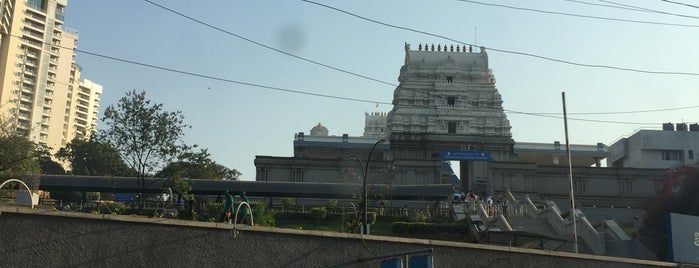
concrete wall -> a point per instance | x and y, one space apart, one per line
48 238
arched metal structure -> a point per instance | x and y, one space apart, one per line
235 219
29 191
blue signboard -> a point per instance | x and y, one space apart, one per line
683 238
464 154
126 198
420 262
392 263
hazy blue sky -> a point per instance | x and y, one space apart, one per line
236 122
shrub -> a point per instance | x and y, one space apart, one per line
318 214
261 215
214 210
111 208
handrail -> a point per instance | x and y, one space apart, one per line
29 191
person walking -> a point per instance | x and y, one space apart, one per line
245 210
228 207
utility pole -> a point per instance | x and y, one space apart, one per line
570 177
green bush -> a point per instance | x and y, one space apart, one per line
262 216
213 210
111 208
293 216
371 217
318 214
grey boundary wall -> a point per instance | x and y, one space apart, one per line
50 238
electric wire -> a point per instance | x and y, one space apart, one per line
631 8
680 3
548 115
580 15
587 120
614 5
229 80
503 50
361 100
267 46
626 112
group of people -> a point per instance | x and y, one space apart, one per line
229 208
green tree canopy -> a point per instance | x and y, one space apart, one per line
48 166
198 165
679 194
18 155
94 158
146 136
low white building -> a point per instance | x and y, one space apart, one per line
673 146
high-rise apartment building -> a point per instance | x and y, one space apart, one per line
40 87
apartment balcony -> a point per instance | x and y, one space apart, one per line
31 42
33 54
31 62
25 107
27 98
23 116
35 17
35 34
83 105
35 25
81 115
60 16
31 71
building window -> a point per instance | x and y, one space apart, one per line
673 155
297 175
450 79
580 186
452 127
451 101
690 154
263 174
37 4
625 186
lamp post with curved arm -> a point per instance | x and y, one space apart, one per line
365 228
365 172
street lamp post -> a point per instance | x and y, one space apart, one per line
365 226
365 171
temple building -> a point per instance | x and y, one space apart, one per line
447 109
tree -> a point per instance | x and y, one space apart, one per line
18 155
146 136
48 166
193 165
679 194
94 158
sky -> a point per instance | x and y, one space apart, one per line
236 121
